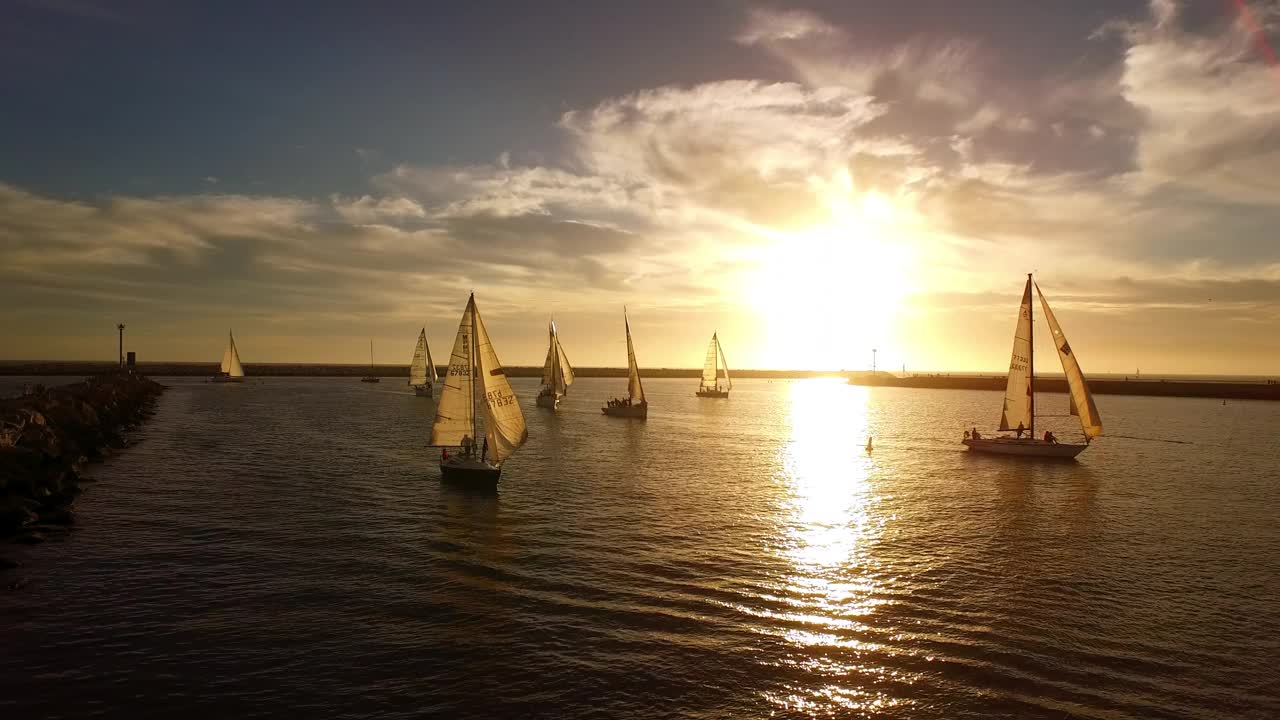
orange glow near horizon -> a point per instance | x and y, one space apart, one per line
829 293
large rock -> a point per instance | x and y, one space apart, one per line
47 436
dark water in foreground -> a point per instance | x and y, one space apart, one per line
283 548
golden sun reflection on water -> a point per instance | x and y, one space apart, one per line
831 521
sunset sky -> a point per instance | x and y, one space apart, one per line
812 179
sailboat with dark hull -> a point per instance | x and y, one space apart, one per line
557 373
422 369
1019 412
711 372
634 405
476 388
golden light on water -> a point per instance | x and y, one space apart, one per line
832 521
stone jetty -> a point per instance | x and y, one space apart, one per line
48 435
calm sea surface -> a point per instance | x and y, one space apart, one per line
284 548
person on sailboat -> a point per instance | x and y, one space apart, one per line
1019 430
484 450
976 435
1049 437
466 445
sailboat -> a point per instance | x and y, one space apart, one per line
476 385
372 377
635 406
230 370
422 370
710 385
1019 413
557 374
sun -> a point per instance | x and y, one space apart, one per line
829 293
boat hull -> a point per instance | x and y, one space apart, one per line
1024 448
637 412
470 473
370 379
422 390
713 393
550 402
226 379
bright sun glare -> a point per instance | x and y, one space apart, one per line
829 293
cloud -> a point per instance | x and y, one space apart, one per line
1210 103
367 210
766 25
1122 181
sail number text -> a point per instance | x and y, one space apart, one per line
497 399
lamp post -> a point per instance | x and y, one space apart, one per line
120 327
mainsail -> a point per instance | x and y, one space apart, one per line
231 359
557 374
1081 400
713 364
1017 394
474 384
418 368
634 388
504 422
455 410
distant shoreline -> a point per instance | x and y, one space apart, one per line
182 369
1225 389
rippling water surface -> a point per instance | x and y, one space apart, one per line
284 548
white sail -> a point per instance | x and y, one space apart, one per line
455 411
431 364
711 365
724 363
566 370
1081 400
557 375
634 388
231 359
504 422
1017 394
418 367
550 365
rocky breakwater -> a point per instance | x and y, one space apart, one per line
48 435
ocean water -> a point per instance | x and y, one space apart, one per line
284 548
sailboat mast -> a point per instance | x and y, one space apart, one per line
716 366
475 366
555 359
1031 356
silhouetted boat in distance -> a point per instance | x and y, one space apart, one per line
557 374
422 369
1019 412
230 370
634 406
475 384
710 385
371 377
